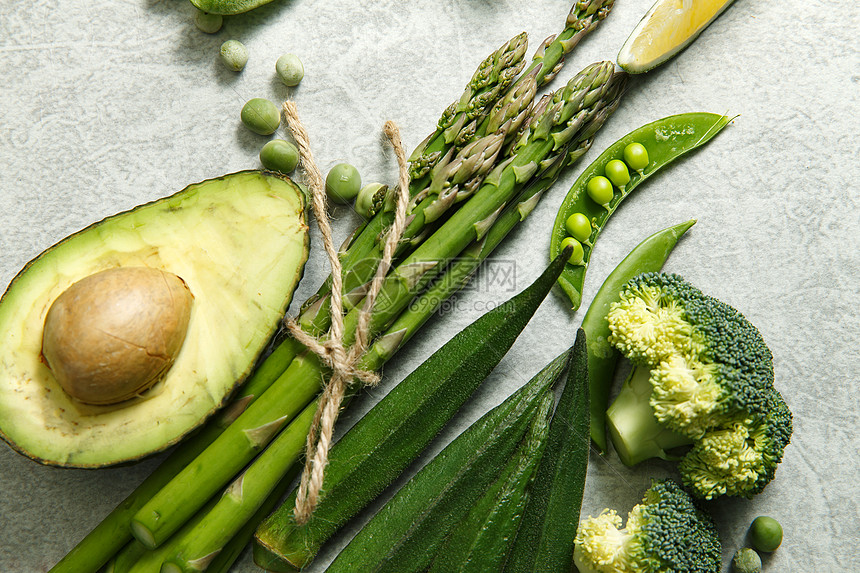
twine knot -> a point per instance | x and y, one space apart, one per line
332 350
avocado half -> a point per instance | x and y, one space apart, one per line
238 242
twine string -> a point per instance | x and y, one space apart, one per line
332 351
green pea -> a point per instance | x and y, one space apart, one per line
616 171
342 183
636 156
290 69
765 533
279 155
578 226
578 253
746 561
370 199
206 22
600 189
234 55
261 116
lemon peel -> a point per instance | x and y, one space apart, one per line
667 28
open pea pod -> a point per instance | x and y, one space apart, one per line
664 141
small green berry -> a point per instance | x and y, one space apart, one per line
636 156
234 55
616 171
342 183
279 155
579 227
765 533
746 561
206 22
578 254
290 69
599 189
261 116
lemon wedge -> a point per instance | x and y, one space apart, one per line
667 28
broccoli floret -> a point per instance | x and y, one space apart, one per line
665 533
741 456
703 376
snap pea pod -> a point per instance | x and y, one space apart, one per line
544 540
665 140
647 256
406 534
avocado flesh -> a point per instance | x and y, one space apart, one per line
239 242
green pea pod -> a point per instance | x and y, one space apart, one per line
665 140
544 541
227 7
392 434
406 534
647 256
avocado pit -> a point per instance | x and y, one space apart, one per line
113 334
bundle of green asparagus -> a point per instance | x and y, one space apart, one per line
492 156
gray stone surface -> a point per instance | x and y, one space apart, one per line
106 105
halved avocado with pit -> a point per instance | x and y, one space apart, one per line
238 243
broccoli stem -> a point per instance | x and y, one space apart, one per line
635 432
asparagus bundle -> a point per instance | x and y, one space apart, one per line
567 113
456 276
298 375
362 251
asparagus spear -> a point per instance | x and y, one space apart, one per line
459 273
452 181
508 113
583 18
135 558
490 80
234 548
209 472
